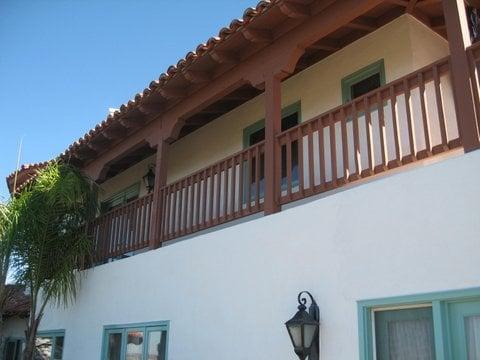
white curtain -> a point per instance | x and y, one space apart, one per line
411 340
472 330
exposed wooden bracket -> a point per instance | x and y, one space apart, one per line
325 44
294 10
132 122
427 3
257 35
172 93
365 24
223 57
97 147
438 23
149 108
197 77
85 153
114 134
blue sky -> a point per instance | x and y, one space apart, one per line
63 63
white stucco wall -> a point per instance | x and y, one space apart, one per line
227 293
14 327
405 44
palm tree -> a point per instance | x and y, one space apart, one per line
5 254
50 239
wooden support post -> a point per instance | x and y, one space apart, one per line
459 40
273 125
157 206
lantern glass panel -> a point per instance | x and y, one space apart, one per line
296 334
309 331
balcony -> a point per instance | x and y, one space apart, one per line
408 120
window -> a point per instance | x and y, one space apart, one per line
431 326
49 345
13 349
135 342
121 198
363 81
255 133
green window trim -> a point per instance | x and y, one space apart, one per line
145 326
260 124
362 74
53 334
439 302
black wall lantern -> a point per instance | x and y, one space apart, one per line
303 328
149 178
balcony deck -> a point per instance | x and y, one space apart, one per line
405 121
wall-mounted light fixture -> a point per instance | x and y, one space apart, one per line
149 178
303 328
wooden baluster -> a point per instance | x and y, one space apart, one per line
196 220
346 166
180 206
249 181
321 153
174 212
311 165
204 200
426 129
168 209
398 154
225 189
368 131
333 149
212 192
191 213
186 211
356 143
441 116
411 140
381 131
233 187
257 178
240 186
301 182
288 146
474 76
218 191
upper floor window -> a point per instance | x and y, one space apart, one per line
121 198
135 342
363 81
431 326
49 345
13 349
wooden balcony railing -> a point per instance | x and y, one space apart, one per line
122 230
410 119
227 190
407 120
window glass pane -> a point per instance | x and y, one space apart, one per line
10 351
58 349
472 331
405 334
43 348
366 85
114 346
134 345
157 344
257 137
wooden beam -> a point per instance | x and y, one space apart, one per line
196 77
366 24
96 146
325 44
257 35
157 200
403 3
294 10
425 3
